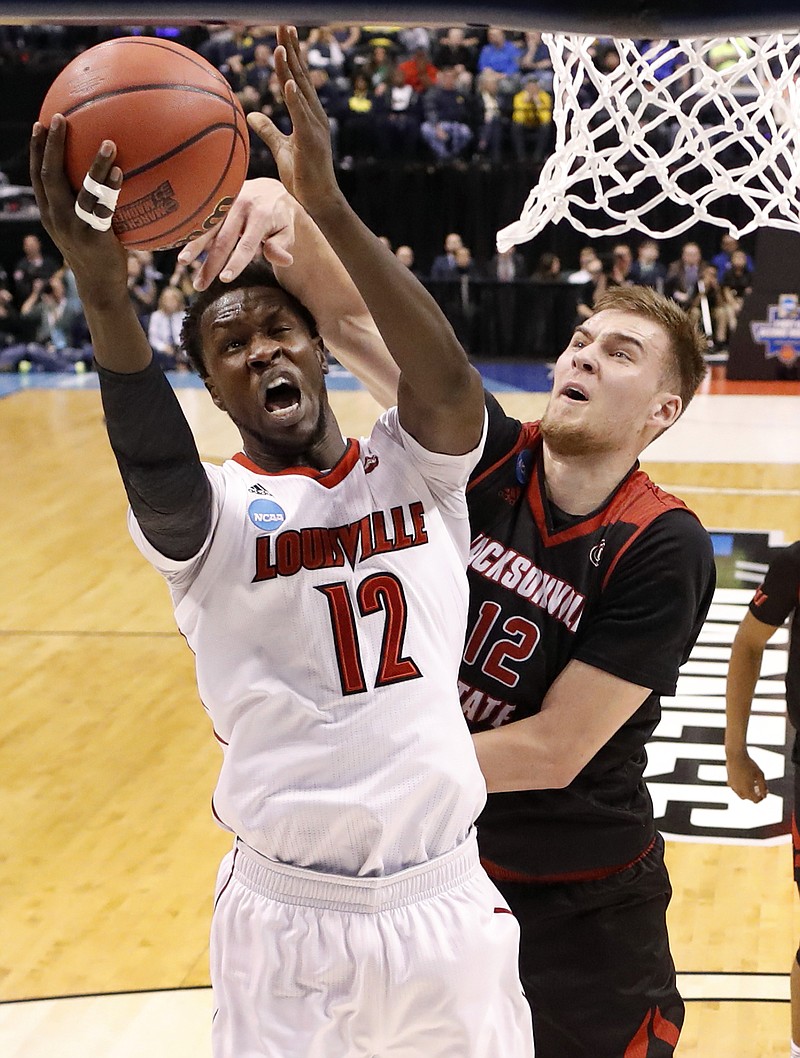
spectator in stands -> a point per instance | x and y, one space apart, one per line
333 102
31 266
647 270
548 269
582 276
413 37
738 276
405 255
444 266
619 271
419 71
258 72
50 314
535 59
325 52
455 49
727 246
710 308
357 136
502 55
233 70
349 39
591 291
10 324
164 330
380 67
397 118
274 105
182 277
447 128
492 119
683 274
507 266
458 298
141 288
225 42
531 121
737 282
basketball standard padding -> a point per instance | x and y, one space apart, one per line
181 135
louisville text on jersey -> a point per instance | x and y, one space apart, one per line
320 547
514 571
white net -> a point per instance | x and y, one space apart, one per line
674 133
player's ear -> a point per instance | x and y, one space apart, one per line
322 354
666 410
212 389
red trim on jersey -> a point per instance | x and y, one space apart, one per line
328 478
218 737
502 874
527 435
648 506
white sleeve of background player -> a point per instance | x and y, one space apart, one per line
178 572
445 475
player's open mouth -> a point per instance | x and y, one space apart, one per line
574 393
282 399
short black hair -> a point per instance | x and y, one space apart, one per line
258 273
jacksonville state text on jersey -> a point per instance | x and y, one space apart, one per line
625 589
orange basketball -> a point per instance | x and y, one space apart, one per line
180 132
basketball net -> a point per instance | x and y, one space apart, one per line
664 140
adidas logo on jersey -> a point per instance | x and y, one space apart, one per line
259 490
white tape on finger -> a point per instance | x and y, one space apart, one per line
106 196
98 223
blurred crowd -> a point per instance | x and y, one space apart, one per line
458 96
42 326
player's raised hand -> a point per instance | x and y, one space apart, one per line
96 257
261 219
304 158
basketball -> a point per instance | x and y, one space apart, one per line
181 135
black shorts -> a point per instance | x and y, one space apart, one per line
595 963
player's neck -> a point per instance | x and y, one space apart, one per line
322 454
579 484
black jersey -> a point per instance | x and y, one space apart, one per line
772 603
625 589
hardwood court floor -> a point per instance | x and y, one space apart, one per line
108 850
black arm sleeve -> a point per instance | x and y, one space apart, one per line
166 484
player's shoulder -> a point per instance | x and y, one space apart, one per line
786 562
505 437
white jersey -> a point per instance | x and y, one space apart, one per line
327 612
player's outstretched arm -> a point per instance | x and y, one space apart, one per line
440 394
745 777
266 219
158 460
579 714
96 258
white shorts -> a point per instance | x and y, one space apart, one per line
421 964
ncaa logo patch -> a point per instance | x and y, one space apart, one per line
266 515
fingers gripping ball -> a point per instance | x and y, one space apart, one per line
181 135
